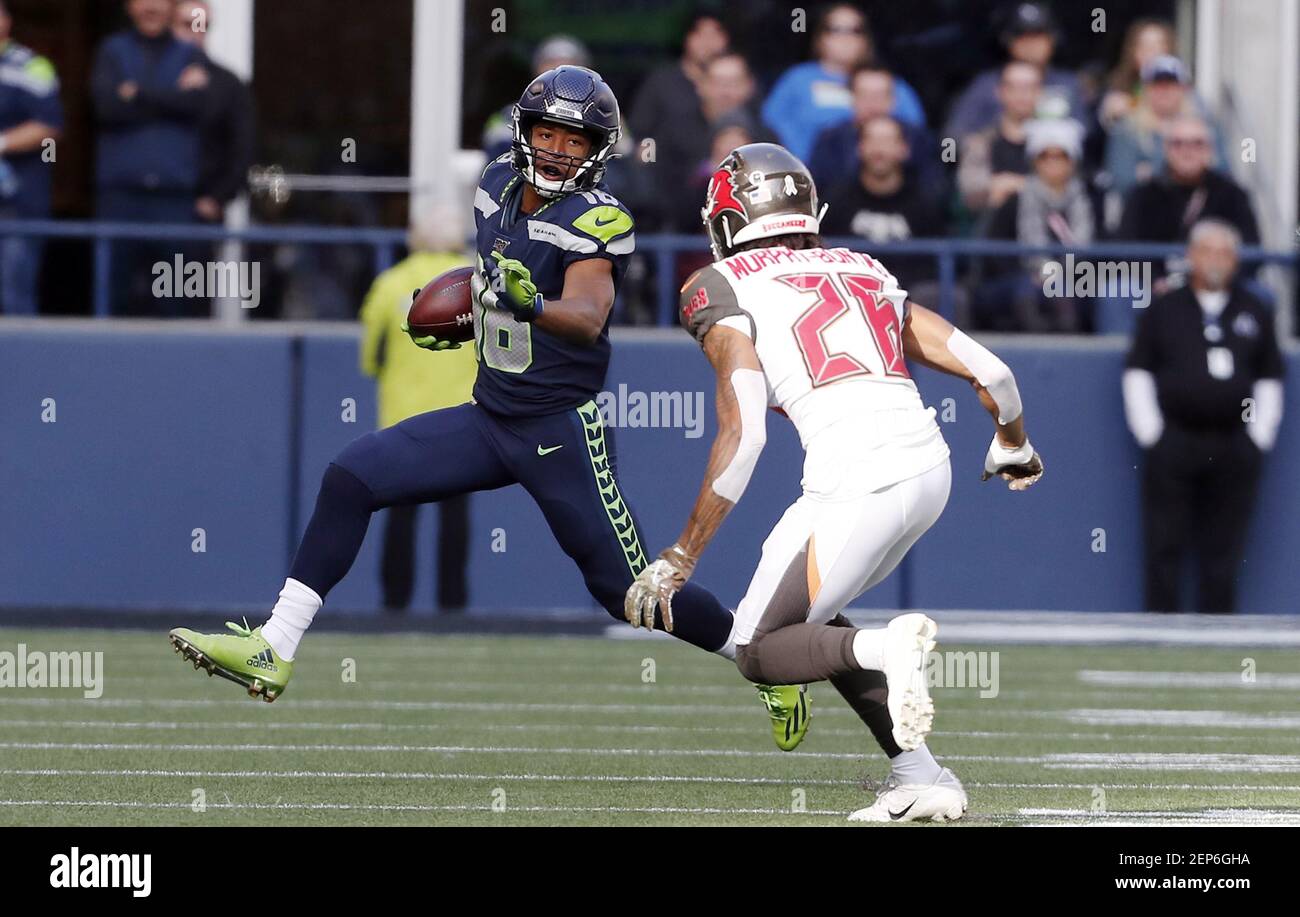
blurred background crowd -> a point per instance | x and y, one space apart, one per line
929 120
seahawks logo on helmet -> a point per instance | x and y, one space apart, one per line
575 97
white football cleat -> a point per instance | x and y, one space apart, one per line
943 800
908 639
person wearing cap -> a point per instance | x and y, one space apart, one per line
1052 207
1203 397
553 52
1135 148
1030 36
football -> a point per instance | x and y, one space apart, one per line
442 307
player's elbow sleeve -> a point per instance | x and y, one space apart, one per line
994 375
750 387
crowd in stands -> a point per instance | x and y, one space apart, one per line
1028 151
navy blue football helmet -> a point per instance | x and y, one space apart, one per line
574 97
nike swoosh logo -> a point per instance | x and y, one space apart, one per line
897 815
541 451
600 223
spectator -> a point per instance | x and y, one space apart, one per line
1029 38
553 52
731 130
883 204
1203 398
226 128
668 112
992 165
30 115
412 381
1164 208
834 157
1135 148
1145 40
726 101
814 95
150 93
670 93
1053 207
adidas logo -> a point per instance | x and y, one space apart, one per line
262 660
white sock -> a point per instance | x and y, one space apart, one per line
869 648
290 618
916 766
728 649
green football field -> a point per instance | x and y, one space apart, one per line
495 730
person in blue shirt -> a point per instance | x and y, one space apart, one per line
815 95
150 93
31 118
552 247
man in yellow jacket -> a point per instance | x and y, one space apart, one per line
412 382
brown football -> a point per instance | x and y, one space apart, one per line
442 308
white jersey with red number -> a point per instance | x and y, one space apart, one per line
827 326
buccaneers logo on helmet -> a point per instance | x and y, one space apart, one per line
722 195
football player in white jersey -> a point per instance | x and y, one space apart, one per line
823 335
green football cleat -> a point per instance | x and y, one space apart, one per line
787 705
244 658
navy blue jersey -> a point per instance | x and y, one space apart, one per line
522 369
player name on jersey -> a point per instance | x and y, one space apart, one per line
746 263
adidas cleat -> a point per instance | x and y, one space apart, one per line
943 800
909 639
244 658
787 705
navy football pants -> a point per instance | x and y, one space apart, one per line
566 463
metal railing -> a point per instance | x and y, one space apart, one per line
662 250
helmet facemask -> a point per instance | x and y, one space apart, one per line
587 171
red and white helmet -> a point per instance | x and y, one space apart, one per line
759 191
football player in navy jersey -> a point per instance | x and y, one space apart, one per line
552 245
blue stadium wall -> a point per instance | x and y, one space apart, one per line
160 431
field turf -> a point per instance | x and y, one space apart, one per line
493 730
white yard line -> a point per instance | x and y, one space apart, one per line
1240 763
374 807
1226 719
597 778
821 730
1129 679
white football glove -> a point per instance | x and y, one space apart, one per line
1019 467
655 587
480 292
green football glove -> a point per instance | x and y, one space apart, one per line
430 342
514 284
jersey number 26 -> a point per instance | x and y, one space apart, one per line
834 293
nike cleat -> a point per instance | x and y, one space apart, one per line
909 639
787 705
943 800
244 658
